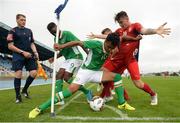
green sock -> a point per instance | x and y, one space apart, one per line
59 85
65 93
58 88
119 89
83 89
47 104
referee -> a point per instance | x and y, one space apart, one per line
21 43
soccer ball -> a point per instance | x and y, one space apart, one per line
97 103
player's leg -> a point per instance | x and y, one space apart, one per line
36 111
106 92
60 95
117 67
17 85
81 78
106 76
30 66
71 71
59 85
133 69
121 70
17 67
117 79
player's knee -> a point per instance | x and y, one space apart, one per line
18 74
138 83
74 87
59 75
33 73
67 77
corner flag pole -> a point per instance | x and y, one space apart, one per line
57 11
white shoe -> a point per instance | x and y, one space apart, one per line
154 99
60 103
107 99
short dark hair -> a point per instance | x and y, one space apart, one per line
114 38
20 15
51 25
105 30
120 15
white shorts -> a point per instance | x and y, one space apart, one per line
71 65
84 76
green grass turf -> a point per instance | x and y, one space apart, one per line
168 90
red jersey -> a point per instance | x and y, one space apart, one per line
127 49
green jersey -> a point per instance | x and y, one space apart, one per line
72 52
96 56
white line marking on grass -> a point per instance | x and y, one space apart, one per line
75 97
117 111
118 118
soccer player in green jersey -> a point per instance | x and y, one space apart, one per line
91 69
73 61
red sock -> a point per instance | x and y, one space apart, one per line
106 90
147 89
126 96
112 85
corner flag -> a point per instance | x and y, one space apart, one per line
58 12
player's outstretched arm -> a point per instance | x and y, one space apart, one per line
92 36
161 30
67 45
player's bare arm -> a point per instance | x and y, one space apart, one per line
92 36
33 47
161 30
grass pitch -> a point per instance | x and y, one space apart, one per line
76 108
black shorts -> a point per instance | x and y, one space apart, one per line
30 64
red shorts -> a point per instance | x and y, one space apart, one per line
120 66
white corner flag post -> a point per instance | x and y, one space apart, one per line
57 11
54 73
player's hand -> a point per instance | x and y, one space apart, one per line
113 53
161 30
27 54
139 37
91 36
57 47
124 36
36 55
51 60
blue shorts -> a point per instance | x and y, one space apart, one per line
30 64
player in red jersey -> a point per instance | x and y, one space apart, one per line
108 88
124 58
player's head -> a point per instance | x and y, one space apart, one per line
123 19
21 20
112 41
52 28
106 31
